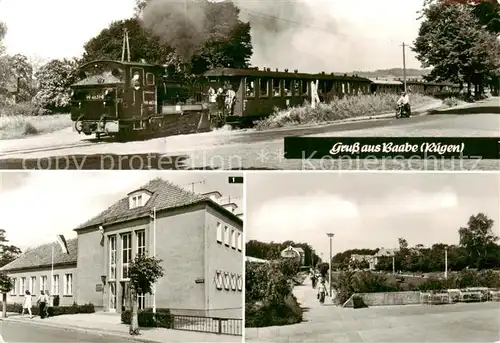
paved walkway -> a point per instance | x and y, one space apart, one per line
109 324
411 323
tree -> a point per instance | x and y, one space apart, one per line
454 42
144 272
5 287
107 45
23 71
8 252
5 69
479 240
54 81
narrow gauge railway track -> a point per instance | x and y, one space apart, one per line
48 148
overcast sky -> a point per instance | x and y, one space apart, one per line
367 210
315 35
36 206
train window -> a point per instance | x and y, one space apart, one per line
305 87
287 87
250 87
328 86
150 79
263 83
276 87
296 87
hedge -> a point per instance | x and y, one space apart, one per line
54 311
147 319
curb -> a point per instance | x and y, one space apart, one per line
85 330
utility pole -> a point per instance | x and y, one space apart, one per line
393 264
404 66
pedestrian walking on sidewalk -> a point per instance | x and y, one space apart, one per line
50 303
27 303
42 305
313 280
322 292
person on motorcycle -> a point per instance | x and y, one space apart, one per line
404 101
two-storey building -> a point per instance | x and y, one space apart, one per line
199 241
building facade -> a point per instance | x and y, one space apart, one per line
198 240
296 253
33 272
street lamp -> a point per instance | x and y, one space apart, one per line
330 235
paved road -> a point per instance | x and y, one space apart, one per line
12 332
258 150
410 323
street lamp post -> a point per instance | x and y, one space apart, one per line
330 235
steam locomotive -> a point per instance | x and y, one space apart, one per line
121 98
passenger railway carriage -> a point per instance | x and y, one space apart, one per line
258 92
116 98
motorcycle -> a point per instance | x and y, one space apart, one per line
402 112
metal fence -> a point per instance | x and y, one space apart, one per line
220 326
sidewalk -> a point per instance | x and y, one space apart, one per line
109 324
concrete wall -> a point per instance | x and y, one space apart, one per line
91 266
389 298
65 300
180 244
227 303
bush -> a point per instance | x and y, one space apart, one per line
338 108
358 302
349 283
147 319
54 311
275 315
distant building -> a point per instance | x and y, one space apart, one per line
373 260
199 241
297 253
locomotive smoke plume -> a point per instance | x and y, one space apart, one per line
309 35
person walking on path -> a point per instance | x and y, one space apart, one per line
313 280
27 303
50 303
322 292
42 305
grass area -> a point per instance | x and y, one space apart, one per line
338 109
19 126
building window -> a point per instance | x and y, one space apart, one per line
296 87
141 301
22 286
112 257
126 254
14 287
55 285
141 243
239 241
233 239
218 280
219 232
226 235
43 283
31 286
68 284
136 201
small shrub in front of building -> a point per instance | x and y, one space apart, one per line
147 319
54 311
358 302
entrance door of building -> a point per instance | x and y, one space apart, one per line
112 297
125 289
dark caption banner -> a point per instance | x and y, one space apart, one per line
392 147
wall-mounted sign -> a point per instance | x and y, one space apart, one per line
98 287
199 281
